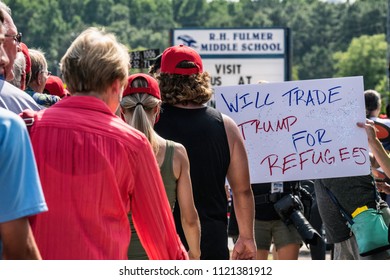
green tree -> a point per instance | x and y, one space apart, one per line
189 13
365 56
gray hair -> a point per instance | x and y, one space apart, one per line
19 68
5 8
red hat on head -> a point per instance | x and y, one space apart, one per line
24 49
55 86
172 56
152 89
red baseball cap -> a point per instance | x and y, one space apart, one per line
152 89
172 56
24 50
55 86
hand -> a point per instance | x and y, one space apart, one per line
193 256
244 249
383 187
370 129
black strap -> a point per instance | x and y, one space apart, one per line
341 209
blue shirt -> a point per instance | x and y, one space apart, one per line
20 188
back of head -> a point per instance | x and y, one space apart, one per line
182 79
372 100
140 104
38 63
173 56
54 86
94 61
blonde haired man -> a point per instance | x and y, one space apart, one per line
98 168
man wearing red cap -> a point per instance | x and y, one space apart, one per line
55 86
12 98
215 149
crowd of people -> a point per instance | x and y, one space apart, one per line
87 172
100 164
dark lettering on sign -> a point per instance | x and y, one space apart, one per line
223 47
216 81
213 36
261 47
242 101
297 96
244 80
142 59
259 126
309 157
310 139
228 68
248 36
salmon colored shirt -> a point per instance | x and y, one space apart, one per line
94 169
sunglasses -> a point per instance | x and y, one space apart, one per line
17 37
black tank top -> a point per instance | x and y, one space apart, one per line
202 132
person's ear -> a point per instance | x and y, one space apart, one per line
157 114
40 78
117 88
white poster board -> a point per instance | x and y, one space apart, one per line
301 129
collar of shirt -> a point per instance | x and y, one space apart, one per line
87 102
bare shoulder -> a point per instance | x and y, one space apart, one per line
180 152
180 160
231 128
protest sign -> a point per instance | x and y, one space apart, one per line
301 129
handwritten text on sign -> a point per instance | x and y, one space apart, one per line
300 130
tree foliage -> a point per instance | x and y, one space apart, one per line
365 56
319 29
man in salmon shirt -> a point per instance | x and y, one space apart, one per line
94 168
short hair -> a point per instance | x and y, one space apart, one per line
181 89
372 100
94 61
38 63
5 8
139 105
19 67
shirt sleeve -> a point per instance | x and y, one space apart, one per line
152 214
46 99
20 188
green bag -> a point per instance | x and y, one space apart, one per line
371 232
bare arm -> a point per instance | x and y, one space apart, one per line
238 177
189 215
380 154
18 240
151 211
